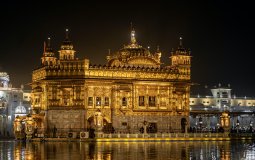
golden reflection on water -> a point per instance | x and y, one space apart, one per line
224 150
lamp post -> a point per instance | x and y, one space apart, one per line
196 127
145 127
251 126
218 127
237 126
200 123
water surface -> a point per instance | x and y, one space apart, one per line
174 150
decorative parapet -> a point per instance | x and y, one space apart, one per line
39 74
127 72
112 72
63 69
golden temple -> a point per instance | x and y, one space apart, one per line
132 90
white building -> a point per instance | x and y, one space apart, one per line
208 108
13 102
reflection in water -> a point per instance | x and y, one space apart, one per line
224 150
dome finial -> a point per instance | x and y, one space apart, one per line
133 39
158 50
180 41
48 45
67 33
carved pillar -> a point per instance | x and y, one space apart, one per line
158 98
146 98
136 97
45 122
85 119
168 102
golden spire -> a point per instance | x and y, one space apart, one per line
180 41
67 44
48 45
67 33
133 39
44 47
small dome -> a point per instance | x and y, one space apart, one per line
20 110
134 55
67 44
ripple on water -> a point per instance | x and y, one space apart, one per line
128 150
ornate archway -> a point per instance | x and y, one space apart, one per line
100 124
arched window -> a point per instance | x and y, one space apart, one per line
152 101
141 100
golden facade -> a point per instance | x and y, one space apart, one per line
131 88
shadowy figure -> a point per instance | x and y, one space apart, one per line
91 133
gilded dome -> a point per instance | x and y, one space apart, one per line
134 55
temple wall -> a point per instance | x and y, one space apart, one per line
66 119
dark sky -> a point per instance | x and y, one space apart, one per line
220 35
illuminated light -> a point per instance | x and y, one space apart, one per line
180 38
67 30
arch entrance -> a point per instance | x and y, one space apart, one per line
100 123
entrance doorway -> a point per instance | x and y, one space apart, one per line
152 128
107 127
183 124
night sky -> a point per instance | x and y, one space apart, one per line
219 34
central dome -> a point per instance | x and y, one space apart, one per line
134 55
